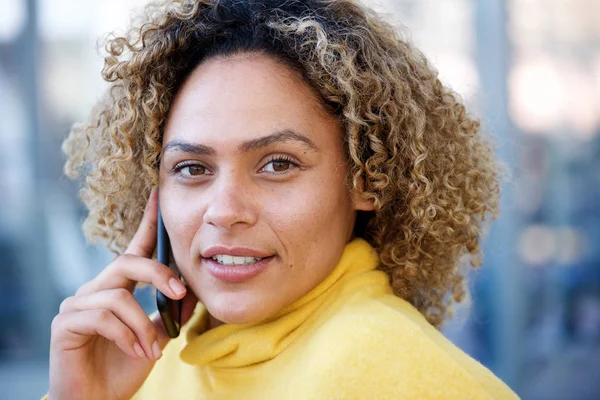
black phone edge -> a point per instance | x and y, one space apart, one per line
166 306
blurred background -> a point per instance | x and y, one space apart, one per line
529 68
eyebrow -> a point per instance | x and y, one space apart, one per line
283 136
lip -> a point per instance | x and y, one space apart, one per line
238 273
234 251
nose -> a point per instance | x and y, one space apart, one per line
230 204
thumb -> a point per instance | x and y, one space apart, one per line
188 304
144 241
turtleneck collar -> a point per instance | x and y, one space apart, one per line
237 345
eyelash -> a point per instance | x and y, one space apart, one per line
282 158
278 158
177 168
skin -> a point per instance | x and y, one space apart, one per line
103 345
300 211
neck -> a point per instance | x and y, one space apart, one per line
213 322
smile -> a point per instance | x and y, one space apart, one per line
225 259
235 269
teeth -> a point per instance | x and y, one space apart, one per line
231 260
242 260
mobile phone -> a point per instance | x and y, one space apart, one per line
169 310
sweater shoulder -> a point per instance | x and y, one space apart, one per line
385 339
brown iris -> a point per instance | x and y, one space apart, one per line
196 170
280 166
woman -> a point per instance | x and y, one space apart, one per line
319 186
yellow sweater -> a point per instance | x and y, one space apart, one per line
348 338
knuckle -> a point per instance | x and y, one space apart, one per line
162 272
121 264
148 331
103 315
57 324
123 334
127 257
121 260
82 289
65 305
120 295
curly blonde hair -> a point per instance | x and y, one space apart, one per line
412 147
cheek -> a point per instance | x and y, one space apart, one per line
308 214
301 205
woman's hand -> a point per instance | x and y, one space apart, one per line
103 345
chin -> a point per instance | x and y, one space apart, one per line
237 308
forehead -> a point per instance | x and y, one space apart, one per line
247 96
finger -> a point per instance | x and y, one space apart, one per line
129 269
188 304
144 241
125 307
67 330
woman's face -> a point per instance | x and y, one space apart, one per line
252 187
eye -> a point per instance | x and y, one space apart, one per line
279 165
188 170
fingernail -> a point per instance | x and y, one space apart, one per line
156 350
138 350
176 286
